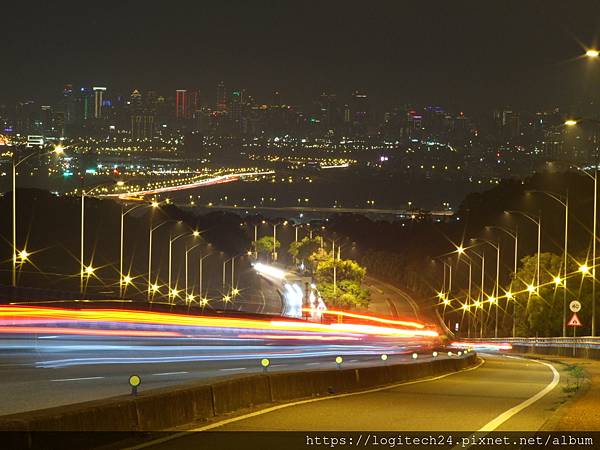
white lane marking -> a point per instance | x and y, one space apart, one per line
301 402
279 365
234 368
495 423
353 360
312 364
78 379
168 373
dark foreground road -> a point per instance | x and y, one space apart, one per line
45 371
503 394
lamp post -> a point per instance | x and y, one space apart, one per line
224 265
187 252
121 245
515 236
275 225
232 272
496 291
200 272
171 240
594 238
446 293
592 54
468 299
256 241
564 201
333 241
482 290
447 281
58 150
152 229
538 221
85 194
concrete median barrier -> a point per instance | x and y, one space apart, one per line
240 393
166 408
177 406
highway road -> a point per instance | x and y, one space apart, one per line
44 368
389 300
503 394
56 356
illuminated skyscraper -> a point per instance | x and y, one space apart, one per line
237 99
68 104
180 106
221 104
360 111
98 97
142 125
187 103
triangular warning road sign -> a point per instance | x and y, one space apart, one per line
574 322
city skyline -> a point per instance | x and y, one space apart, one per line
463 54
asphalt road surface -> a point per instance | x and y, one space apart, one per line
503 394
388 300
44 371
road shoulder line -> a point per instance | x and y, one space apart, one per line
506 415
297 403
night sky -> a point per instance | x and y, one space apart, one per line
457 53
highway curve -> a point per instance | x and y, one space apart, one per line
503 394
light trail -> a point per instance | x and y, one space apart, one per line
82 337
482 346
370 318
86 332
12 318
182 187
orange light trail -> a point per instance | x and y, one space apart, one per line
63 330
301 337
371 318
19 315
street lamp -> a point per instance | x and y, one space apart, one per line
85 194
57 150
515 236
121 276
497 288
564 201
232 259
538 221
275 225
200 273
152 288
468 299
594 235
187 251
482 290
171 240
333 241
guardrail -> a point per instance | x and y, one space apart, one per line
584 341
587 347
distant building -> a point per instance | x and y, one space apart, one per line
360 112
180 105
142 126
187 103
235 109
221 102
98 101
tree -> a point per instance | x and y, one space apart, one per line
347 292
265 245
541 313
305 248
